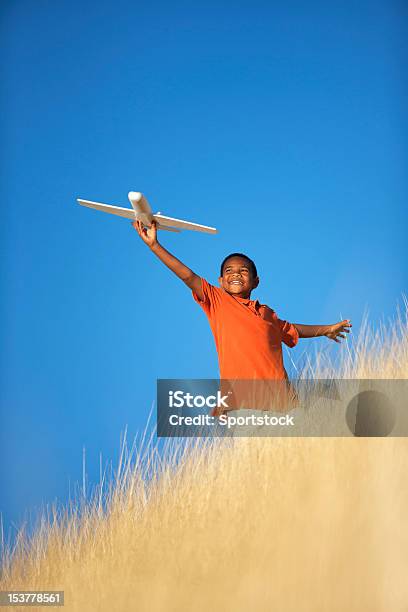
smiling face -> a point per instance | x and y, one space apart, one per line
237 277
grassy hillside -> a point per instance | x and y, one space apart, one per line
286 524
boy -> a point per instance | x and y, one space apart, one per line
248 335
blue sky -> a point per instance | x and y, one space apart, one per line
284 126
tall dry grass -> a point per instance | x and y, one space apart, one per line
285 524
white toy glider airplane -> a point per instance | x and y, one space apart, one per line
141 211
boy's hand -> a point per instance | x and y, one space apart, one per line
336 331
149 236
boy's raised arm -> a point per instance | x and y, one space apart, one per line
149 237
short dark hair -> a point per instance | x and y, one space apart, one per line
249 260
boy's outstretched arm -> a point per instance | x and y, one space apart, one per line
331 331
149 237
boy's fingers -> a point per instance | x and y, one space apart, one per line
134 223
140 228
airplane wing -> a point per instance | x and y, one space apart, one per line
168 229
179 223
128 213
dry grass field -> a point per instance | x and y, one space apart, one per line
286 524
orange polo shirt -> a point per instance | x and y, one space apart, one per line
248 335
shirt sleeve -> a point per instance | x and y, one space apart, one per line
289 333
211 297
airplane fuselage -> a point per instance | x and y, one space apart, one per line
141 207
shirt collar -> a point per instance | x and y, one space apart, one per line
247 301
